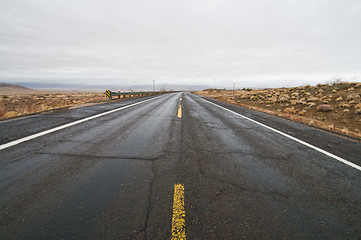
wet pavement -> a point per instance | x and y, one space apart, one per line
113 177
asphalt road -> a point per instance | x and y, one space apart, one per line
114 176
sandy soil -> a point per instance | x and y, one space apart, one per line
16 102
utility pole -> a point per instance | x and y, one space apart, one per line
234 87
153 85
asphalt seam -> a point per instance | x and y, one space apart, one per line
243 154
99 157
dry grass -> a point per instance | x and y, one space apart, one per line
333 107
15 103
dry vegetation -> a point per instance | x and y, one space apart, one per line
18 102
335 107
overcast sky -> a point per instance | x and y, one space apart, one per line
256 43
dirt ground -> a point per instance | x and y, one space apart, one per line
18 102
335 107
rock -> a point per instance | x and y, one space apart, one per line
334 91
274 99
312 99
44 107
324 108
357 106
295 102
344 105
283 99
346 110
350 89
10 114
311 104
339 99
358 111
289 110
352 97
302 112
254 98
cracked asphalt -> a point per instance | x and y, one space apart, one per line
113 177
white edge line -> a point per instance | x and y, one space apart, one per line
292 138
36 135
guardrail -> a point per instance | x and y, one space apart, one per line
109 94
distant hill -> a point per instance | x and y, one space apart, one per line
114 87
7 88
7 85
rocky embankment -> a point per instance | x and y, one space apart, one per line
335 107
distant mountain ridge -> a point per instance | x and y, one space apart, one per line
114 87
13 86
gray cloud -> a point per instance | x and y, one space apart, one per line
215 42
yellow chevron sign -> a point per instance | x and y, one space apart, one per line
108 94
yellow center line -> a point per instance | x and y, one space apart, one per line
179 111
178 220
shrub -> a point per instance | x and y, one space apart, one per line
324 108
247 89
289 110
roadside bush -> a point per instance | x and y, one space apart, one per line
324 108
247 89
